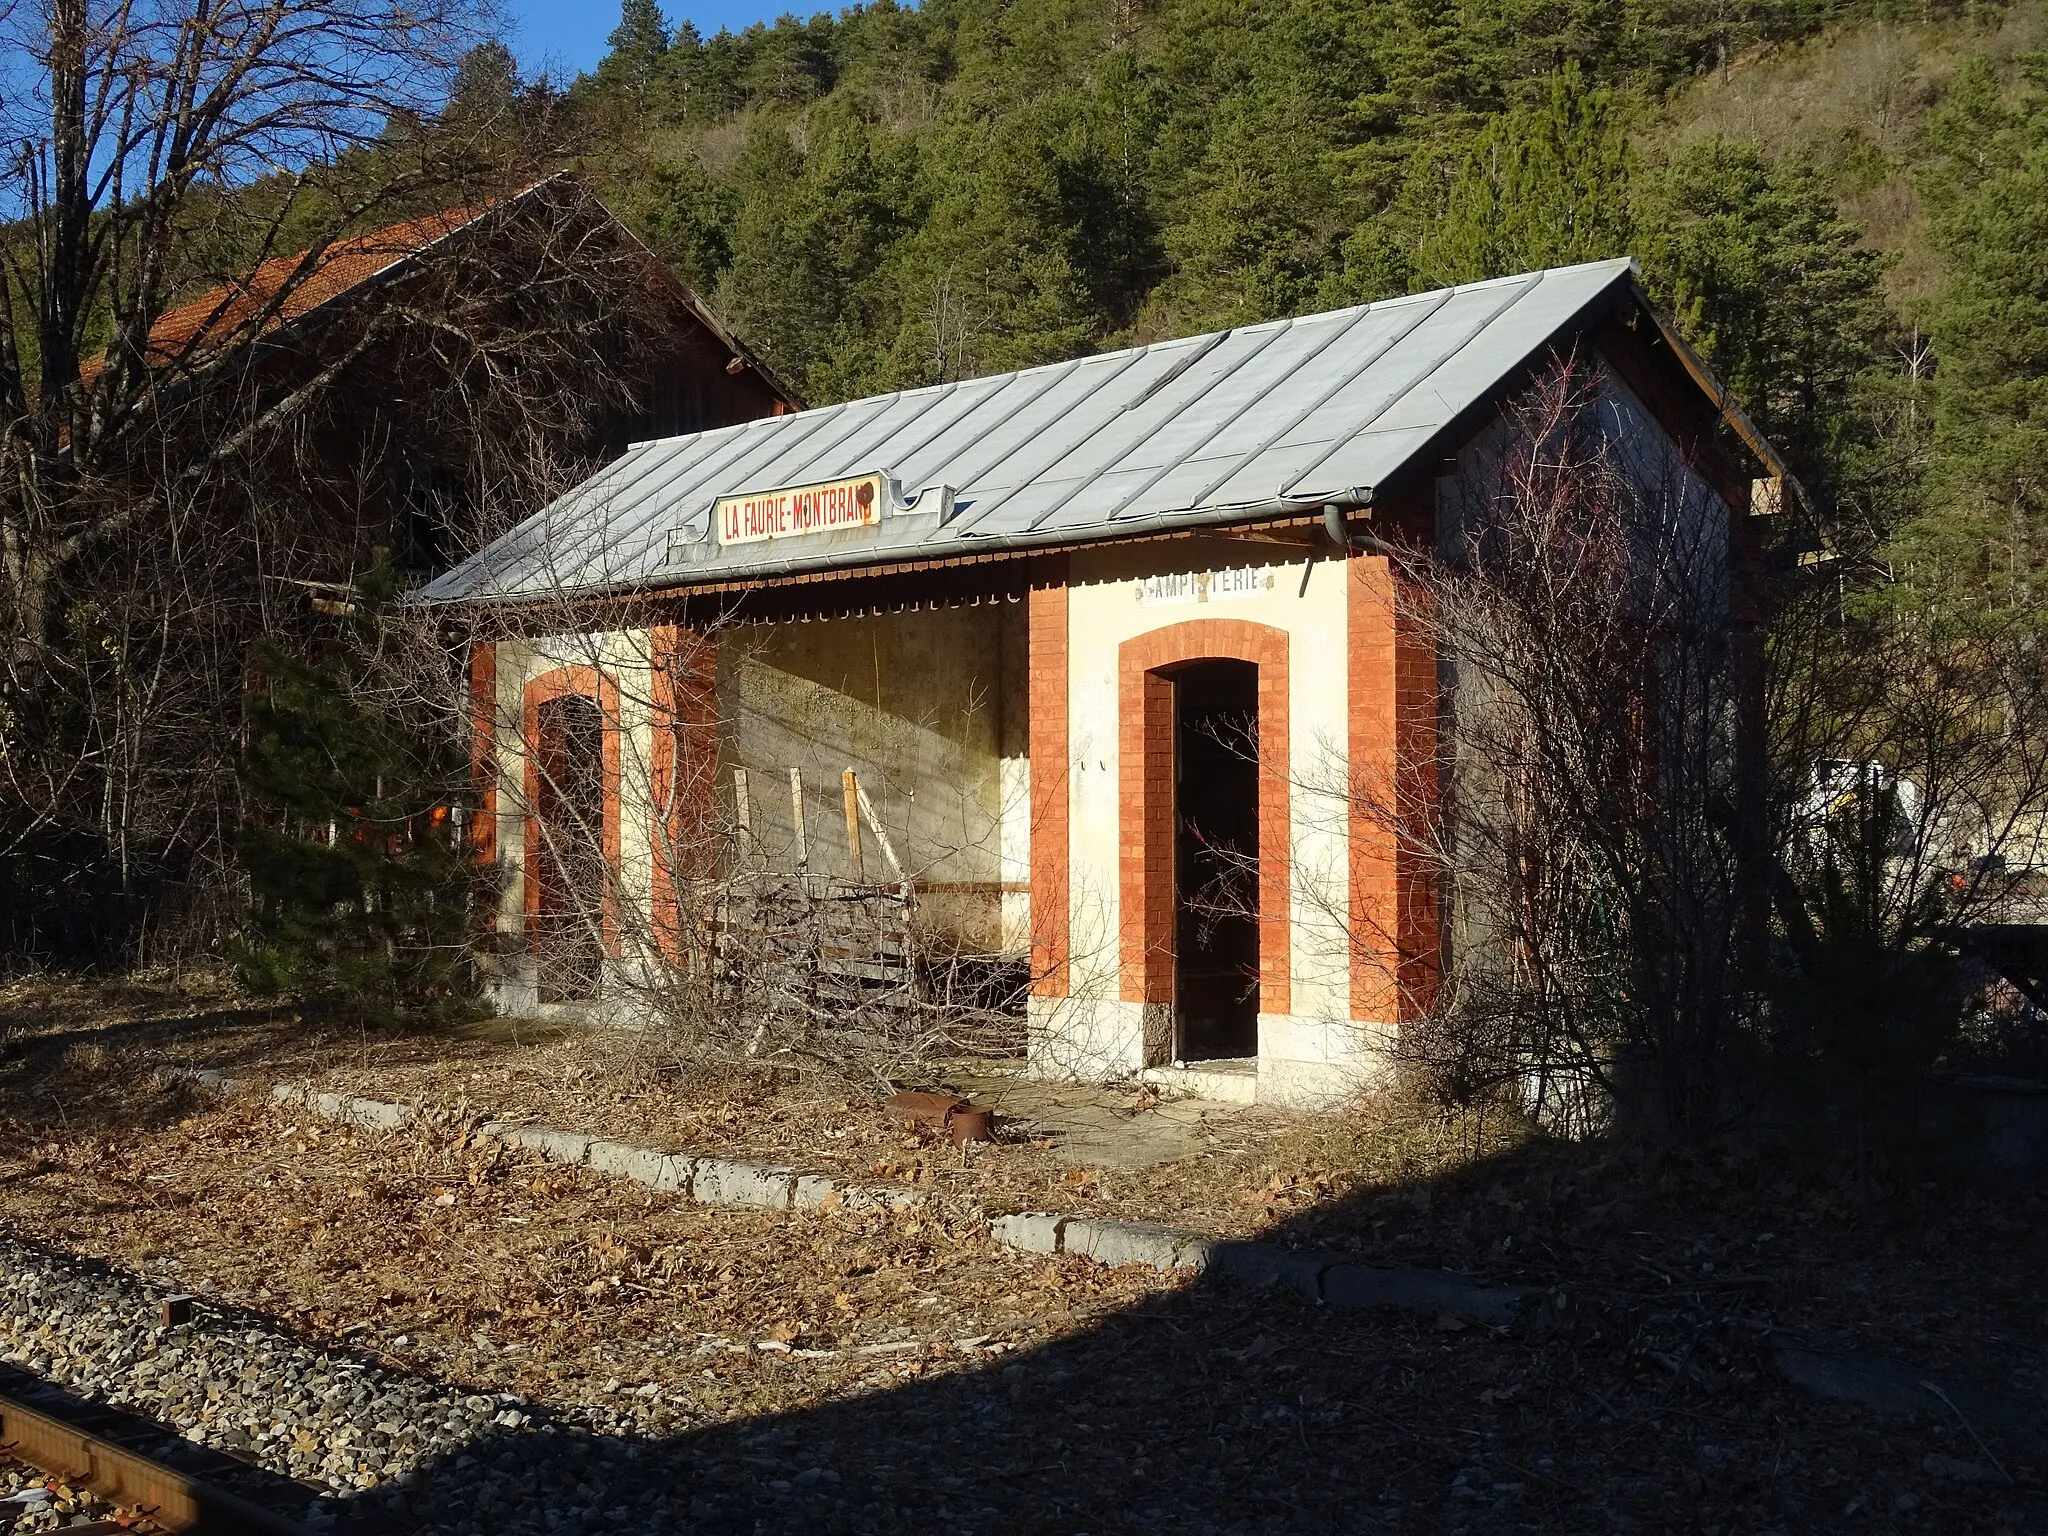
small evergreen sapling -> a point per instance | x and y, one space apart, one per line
360 881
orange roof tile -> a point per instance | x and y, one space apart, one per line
228 310
345 264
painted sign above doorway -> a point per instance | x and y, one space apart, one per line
1176 587
827 506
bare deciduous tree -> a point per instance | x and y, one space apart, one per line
178 480
1703 836
156 140
153 146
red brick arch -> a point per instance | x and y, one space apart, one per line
587 682
1145 804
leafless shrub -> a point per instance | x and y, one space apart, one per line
1910 757
1699 836
1584 834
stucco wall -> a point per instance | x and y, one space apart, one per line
1354 672
1118 595
926 708
622 657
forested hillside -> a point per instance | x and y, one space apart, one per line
1845 204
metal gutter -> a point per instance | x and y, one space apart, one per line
914 558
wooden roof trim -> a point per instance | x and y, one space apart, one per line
669 597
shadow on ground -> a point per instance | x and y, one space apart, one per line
1645 1405
1216 1409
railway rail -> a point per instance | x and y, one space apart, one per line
136 1463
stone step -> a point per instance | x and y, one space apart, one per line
1234 1080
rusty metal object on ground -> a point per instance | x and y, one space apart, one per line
971 1122
930 1109
170 1499
178 1310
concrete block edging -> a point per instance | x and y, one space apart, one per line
704 1180
1318 1278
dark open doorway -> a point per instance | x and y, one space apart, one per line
1216 860
570 862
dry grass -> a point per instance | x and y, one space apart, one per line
446 1254
1027 1394
1853 101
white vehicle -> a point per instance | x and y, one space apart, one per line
1839 783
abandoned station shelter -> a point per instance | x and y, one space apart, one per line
1084 661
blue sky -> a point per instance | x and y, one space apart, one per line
564 36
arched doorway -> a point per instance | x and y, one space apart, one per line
569 843
1204 811
1216 859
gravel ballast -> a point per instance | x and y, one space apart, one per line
31 1500
379 1441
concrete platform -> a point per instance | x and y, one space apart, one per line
1091 1126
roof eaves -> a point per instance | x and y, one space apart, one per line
694 302
885 561
1709 382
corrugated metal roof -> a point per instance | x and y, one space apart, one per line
1187 433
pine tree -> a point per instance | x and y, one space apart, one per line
684 65
359 881
1543 186
639 44
805 248
1988 201
988 281
1107 175
1247 247
687 215
486 83
1780 292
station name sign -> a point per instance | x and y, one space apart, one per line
826 507
1204 586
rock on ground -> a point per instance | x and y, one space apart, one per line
383 1443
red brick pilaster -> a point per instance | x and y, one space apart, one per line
483 748
1145 802
1051 757
1396 945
